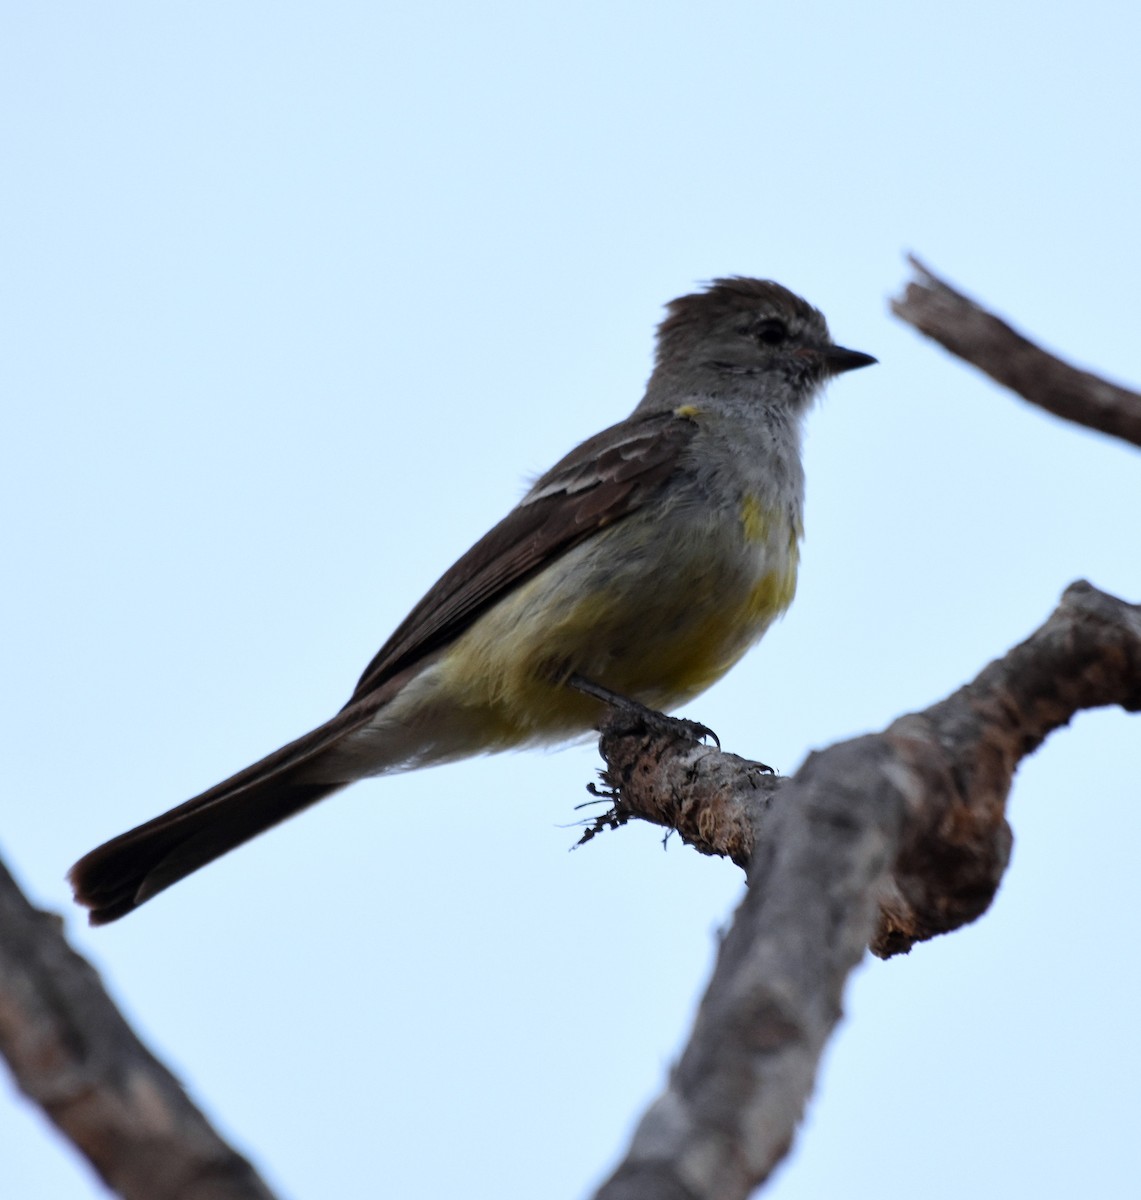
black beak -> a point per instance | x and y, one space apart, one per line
838 360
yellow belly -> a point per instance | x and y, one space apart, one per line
660 634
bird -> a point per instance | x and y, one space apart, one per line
640 567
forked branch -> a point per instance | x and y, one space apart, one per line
883 840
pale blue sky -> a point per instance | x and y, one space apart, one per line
295 298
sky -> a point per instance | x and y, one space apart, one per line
296 298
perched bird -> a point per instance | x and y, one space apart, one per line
642 565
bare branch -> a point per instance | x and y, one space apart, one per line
966 329
71 1051
659 772
885 839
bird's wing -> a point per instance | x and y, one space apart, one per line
606 478
602 481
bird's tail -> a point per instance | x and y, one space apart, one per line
115 878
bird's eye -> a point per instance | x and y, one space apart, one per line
772 332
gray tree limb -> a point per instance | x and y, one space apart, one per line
987 342
883 840
72 1053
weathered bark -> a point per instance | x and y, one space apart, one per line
883 841
987 342
72 1053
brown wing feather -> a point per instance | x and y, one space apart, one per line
601 481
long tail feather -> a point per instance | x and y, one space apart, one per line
115 878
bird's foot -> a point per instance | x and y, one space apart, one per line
648 719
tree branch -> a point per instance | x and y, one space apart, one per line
886 839
73 1054
982 339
